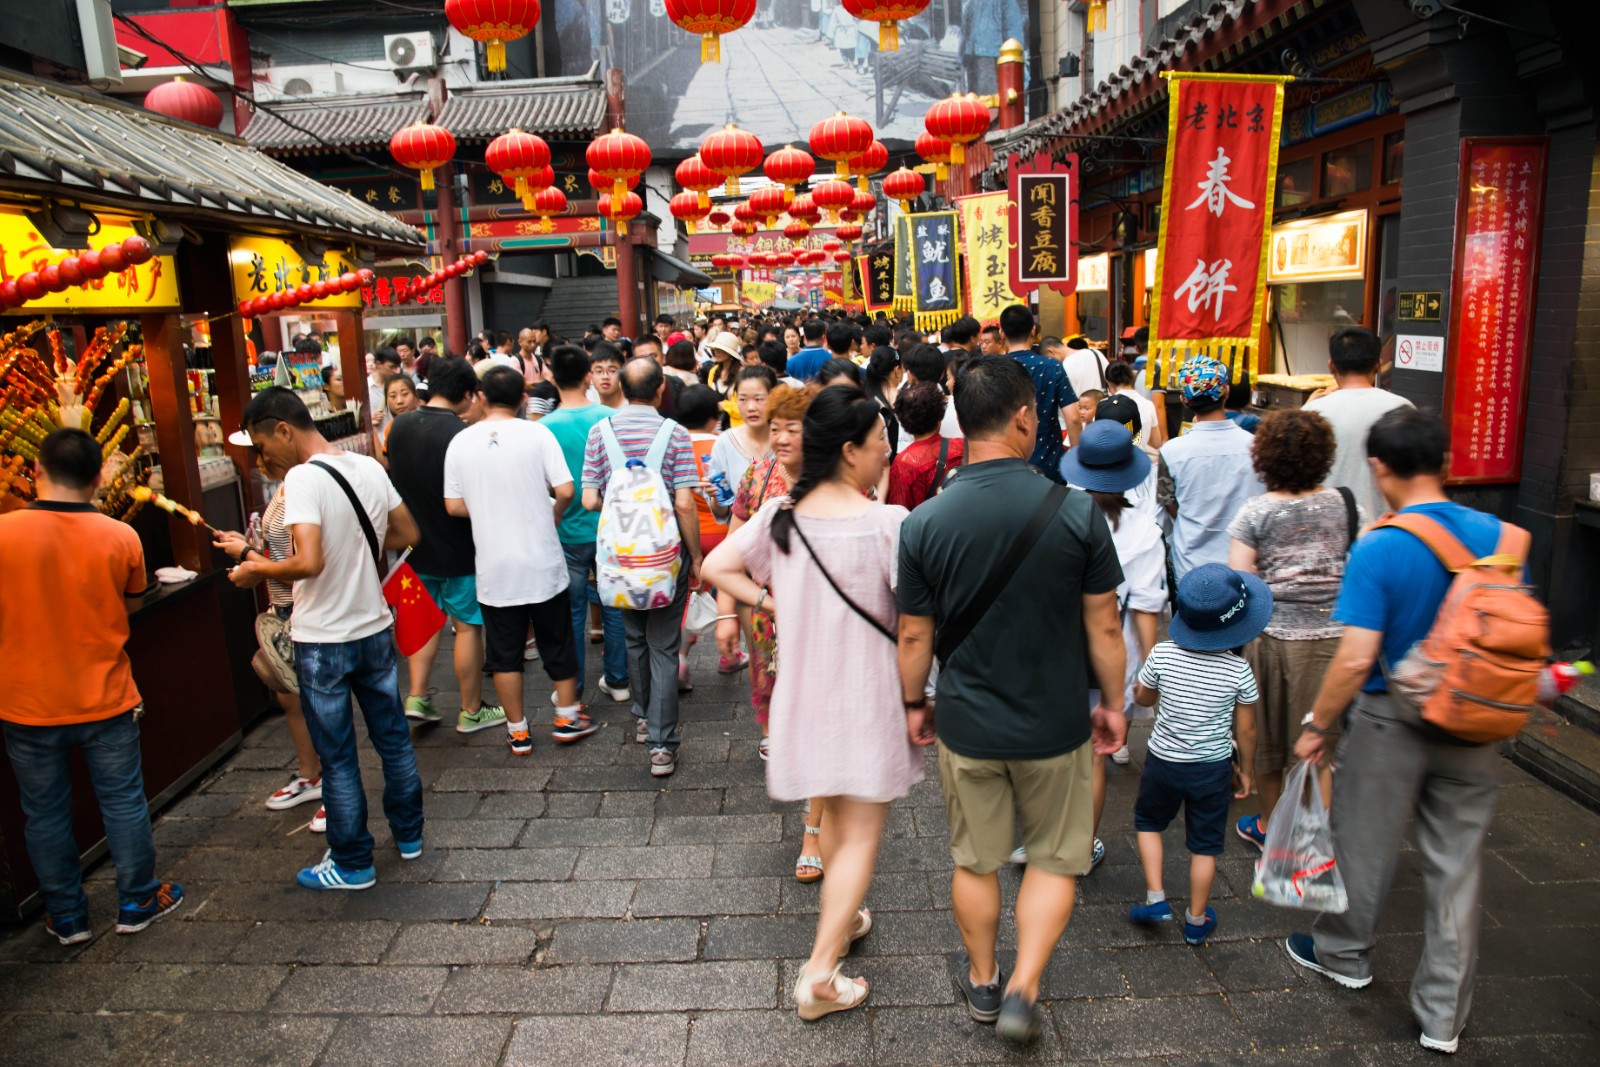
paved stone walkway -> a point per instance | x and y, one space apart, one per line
572 910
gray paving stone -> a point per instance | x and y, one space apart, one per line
650 862
894 891
522 779
264 901
560 900
915 854
419 903
462 943
554 833
1511 1006
627 805
681 802
172 834
712 986
473 833
716 829
230 1040
599 1041
779 1039
439 807
1241 966
68 1040
571 805
1164 970
453 1042
911 933
506 990
360 990
1075 971
516 806
248 782
769 860
508 865
1168 1026
198 987
636 940
78 986
1378 1013
720 896
948 1035
173 940
316 942
760 937
751 800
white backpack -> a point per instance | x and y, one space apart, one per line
637 557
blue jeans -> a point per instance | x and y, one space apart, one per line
111 749
580 561
329 675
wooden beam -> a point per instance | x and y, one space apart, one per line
180 460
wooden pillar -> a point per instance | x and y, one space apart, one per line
627 284
180 461
1008 82
449 228
353 365
208 289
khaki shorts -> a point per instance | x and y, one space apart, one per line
1288 676
1054 796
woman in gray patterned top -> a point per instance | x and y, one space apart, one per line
1296 536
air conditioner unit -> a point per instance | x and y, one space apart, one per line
409 51
305 81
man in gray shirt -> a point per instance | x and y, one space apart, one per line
1351 408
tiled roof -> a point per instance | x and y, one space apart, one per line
569 108
367 120
57 140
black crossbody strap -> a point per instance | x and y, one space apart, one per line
956 630
938 468
857 608
361 515
1352 522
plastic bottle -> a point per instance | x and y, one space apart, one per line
1558 678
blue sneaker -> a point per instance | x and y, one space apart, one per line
329 875
409 850
1302 949
1159 912
131 918
73 931
1196 933
1249 829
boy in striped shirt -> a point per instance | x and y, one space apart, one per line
1204 693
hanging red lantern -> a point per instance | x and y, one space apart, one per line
743 229
694 175
734 261
842 257
518 157
888 14
805 207
546 202
756 259
935 150
798 230
781 259
601 184
745 213
731 152
904 185
685 207
628 207
789 167
848 232
619 158
767 202
137 250
719 261
841 138
186 101
874 159
849 215
719 217
959 120
863 203
424 147
833 196
710 19
832 244
493 23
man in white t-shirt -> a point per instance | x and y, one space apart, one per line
509 476
1085 367
340 628
1352 408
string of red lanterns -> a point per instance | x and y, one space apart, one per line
840 139
958 120
730 152
75 270
620 158
789 167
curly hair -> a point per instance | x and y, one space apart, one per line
1293 451
787 402
919 407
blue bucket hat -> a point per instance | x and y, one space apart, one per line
1105 459
1219 608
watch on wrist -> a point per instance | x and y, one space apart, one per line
1310 723
917 704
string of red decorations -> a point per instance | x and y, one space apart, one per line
74 271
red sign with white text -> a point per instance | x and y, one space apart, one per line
1499 214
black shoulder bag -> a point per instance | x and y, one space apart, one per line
938 468
1351 519
857 608
956 630
361 515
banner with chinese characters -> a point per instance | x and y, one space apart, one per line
151 286
935 284
1043 224
877 278
1499 213
902 263
1216 219
265 265
988 258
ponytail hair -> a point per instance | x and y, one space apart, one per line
838 415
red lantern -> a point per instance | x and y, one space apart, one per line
186 101
547 202
842 257
518 158
731 152
888 14
863 203
694 175
832 244
719 261
958 119
602 185
874 159
366 275
349 282
423 147
71 273
805 207
848 232
493 22
935 150
710 19
628 206
904 185
797 230
743 229
685 206
833 196
767 202
319 290
734 261
137 250
745 213
620 158
849 215
789 167
91 266
781 259
719 218
841 138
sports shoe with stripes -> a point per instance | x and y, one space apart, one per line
567 730
329 875
131 918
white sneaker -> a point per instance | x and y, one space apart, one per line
1120 756
530 651
1433 1044
619 693
319 821
298 791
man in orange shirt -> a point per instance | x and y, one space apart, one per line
64 560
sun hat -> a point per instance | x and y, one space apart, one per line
1122 410
726 341
1202 378
1105 459
1219 608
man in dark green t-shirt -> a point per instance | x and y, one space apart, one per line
1014 727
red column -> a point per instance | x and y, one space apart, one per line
627 284
449 222
1008 80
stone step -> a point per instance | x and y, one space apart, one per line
1564 755
1581 706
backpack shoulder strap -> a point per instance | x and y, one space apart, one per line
608 438
659 445
939 467
1351 516
1455 556
1511 551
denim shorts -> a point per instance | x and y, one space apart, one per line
1203 790
457 597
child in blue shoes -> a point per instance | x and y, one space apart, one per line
1204 694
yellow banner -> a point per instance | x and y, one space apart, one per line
151 286
983 225
758 293
265 265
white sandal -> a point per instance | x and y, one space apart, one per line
813 862
852 992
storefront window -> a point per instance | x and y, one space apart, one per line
1394 157
1347 170
1294 182
1094 315
1305 315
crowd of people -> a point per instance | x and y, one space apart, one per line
971 543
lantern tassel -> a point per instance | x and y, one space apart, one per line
521 186
941 171
710 49
889 36
861 182
1097 16
545 225
495 58
788 194
705 199
619 189
841 167
427 180
691 227
958 152
731 184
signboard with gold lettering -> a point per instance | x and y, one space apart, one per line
1044 223
262 266
150 286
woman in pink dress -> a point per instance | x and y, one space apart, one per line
828 555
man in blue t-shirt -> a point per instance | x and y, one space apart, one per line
1050 386
1391 764
805 363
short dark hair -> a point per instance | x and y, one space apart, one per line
503 387
1141 337
774 355
1078 343
1409 442
813 330
1119 375
641 379
407 341
611 320
920 407
926 363
757 372
451 378
1293 450
838 368
696 406
308 346
384 355
989 391
665 320
427 342
277 404
876 335
1355 350
842 336
606 352
540 324
1016 323
647 341
964 329
569 365
680 355
71 458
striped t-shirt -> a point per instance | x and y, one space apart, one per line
280 546
1194 717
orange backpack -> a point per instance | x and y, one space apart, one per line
1476 675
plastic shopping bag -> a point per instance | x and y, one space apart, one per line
701 615
1297 868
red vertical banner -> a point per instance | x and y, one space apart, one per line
1042 224
1216 218
1499 214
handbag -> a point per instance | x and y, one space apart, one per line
701 614
273 662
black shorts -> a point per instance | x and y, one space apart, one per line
1203 790
505 632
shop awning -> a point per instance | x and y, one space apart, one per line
563 108
64 143
675 271
353 122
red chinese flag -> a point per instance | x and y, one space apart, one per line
416 617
